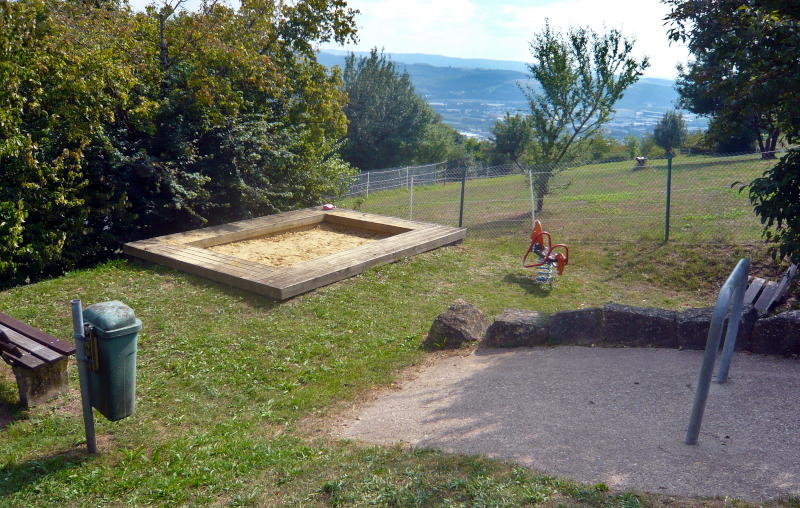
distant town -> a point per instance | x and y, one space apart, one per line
471 94
475 118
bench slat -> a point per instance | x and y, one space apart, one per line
29 361
765 300
753 290
36 335
34 348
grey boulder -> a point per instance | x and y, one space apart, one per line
460 323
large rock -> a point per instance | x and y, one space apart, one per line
582 327
625 325
693 326
458 324
778 334
515 327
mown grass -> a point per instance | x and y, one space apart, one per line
614 201
228 381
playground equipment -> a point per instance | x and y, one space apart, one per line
546 258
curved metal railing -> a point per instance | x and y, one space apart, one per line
734 288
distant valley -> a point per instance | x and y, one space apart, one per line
471 94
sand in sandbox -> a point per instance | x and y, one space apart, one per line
287 249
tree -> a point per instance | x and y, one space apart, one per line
761 42
670 133
776 199
705 87
441 143
744 71
631 143
579 76
388 120
648 147
512 136
115 125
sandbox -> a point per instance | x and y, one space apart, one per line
284 255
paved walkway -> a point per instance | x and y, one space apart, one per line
617 416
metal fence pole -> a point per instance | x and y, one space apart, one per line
367 183
669 192
411 203
533 198
461 209
83 375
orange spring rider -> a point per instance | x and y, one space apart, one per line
546 258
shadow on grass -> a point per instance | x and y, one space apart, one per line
528 284
18 477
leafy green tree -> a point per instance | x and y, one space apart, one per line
705 87
512 136
631 143
388 120
776 199
746 54
648 148
670 133
761 42
580 76
441 143
117 125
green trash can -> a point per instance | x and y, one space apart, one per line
111 333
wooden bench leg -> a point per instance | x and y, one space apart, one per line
40 385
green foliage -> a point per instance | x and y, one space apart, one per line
755 46
441 143
776 199
512 136
631 144
670 133
580 76
648 148
744 71
388 121
116 125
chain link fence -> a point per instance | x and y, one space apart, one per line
616 201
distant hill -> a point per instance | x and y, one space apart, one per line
439 77
442 61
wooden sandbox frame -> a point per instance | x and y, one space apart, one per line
188 252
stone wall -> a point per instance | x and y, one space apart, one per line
616 325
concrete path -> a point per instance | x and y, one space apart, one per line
617 416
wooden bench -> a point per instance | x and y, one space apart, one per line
39 360
762 294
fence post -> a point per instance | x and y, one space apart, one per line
367 183
411 204
533 198
669 191
461 209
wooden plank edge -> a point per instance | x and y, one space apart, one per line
227 264
34 348
36 335
362 265
214 275
391 244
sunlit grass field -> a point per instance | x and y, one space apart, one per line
236 393
602 202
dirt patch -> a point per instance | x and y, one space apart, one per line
287 249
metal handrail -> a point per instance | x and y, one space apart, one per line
734 288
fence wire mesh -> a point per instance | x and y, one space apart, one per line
617 201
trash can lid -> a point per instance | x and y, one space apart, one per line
111 319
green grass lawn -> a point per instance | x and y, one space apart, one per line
234 390
601 202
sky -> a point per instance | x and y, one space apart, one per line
502 30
